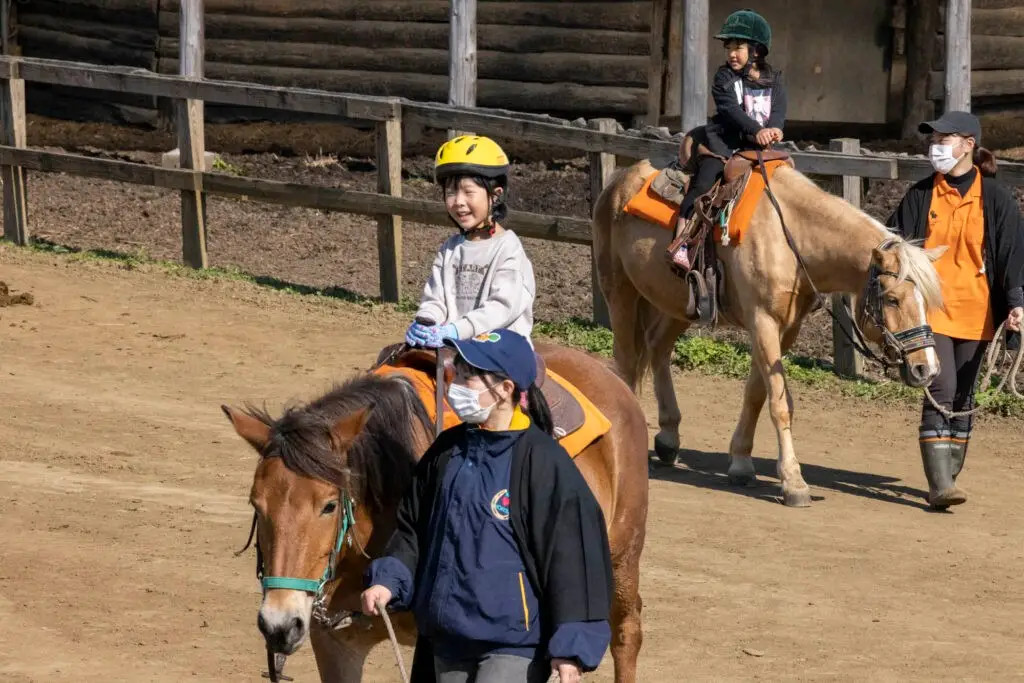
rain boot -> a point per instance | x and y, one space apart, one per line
938 463
958 452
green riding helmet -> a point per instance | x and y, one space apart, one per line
748 25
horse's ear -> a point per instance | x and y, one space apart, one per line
345 430
885 259
254 431
936 253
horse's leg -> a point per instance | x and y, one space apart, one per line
741 464
661 341
627 309
627 629
767 359
338 660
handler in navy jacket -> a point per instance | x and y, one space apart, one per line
501 549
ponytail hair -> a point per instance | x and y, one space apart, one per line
985 161
537 408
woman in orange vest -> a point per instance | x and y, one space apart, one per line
963 208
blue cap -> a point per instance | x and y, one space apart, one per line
501 351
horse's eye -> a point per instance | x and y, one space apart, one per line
891 301
330 508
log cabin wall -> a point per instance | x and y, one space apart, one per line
116 32
570 58
997 53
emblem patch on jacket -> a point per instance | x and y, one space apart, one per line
500 503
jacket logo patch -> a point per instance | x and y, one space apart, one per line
500 503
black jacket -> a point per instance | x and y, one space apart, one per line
556 520
731 128
1003 242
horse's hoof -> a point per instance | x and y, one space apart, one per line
666 453
743 480
798 498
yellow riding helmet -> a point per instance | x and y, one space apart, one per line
470 155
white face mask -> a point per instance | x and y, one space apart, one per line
942 158
466 404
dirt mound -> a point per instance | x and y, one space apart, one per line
8 299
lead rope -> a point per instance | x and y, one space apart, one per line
394 641
991 361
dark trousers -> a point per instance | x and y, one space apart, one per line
953 389
708 171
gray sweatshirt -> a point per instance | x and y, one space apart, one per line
481 286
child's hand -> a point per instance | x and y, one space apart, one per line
374 595
765 136
568 671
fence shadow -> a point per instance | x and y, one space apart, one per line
707 470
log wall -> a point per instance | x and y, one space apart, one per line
113 32
582 58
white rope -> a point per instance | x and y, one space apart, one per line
394 641
991 361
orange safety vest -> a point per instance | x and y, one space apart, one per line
959 224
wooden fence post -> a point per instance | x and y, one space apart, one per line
922 26
656 65
389 227
462 56
191 136
602 165
846 360
14 133
958 55
696 33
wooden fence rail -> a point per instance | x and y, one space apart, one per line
599 140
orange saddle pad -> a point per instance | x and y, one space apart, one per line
594 426
649 206
738 213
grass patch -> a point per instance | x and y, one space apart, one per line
133 260
692 353
224 166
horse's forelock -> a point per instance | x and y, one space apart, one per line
379 462
916 266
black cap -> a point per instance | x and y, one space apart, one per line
961 122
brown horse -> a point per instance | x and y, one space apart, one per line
768 293
328 483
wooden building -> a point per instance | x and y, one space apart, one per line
844 62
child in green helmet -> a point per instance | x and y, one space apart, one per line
750 107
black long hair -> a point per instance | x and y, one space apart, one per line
536 405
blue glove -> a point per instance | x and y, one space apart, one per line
431 337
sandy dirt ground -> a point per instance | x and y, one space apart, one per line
123 495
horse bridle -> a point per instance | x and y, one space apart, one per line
346 523
896 346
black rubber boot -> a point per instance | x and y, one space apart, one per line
958 454
937 460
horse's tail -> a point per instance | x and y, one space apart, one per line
629 311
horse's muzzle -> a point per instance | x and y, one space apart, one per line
283 635
917 375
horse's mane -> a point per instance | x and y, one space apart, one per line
914 262
379 464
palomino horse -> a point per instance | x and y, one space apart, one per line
331 475
767 292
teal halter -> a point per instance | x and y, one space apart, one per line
314 586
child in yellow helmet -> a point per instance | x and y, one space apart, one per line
481 279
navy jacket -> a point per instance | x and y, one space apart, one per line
500 547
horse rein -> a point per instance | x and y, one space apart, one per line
897 345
